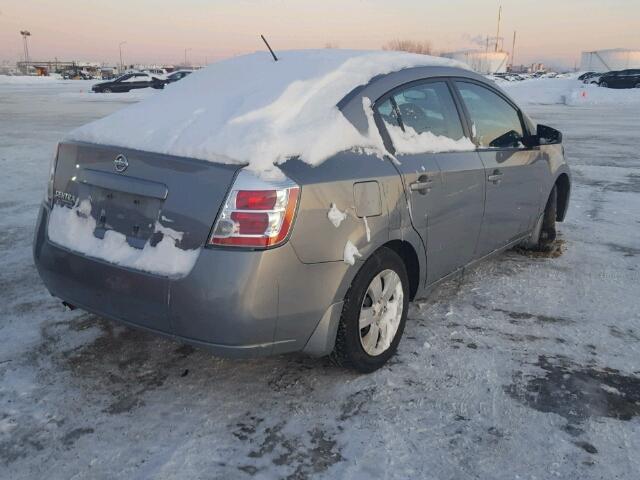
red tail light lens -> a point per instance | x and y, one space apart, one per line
257 213
256 199
251 223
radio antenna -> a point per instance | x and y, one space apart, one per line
275 59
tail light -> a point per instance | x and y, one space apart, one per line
257 213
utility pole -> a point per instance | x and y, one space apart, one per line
498 32
513 50
121 64
25 34
185 55
486 57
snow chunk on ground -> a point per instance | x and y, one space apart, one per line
335 216
250 109
73 228
350 253
409 141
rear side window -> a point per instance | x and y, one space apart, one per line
389 113
495 123
422 108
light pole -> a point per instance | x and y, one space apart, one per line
185 55
120 48
25 34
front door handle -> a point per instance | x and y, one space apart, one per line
422 185
495 177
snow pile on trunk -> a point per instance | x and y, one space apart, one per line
409 141
250 109
73 228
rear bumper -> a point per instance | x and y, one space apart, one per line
234 303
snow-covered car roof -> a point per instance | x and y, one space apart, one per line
250 109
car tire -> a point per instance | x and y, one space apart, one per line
106 90
374 297
544 234
604 84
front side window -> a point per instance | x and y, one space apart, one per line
423 118
495 123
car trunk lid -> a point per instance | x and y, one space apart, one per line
142 196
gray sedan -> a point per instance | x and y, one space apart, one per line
324 259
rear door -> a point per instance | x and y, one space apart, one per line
121 84
512 170
136 80
442 173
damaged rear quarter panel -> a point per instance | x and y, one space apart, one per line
315 239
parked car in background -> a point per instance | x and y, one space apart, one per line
621 79
76 74
586 75
128 82
159 73
177 75
320 256
510 77
592 78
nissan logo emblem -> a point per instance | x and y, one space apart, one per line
120 163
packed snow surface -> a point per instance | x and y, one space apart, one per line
73 228
250 109
567 91
27 80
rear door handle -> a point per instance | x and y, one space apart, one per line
495 177
422 185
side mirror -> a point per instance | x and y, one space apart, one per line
548 136
508 140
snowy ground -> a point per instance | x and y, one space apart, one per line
528 369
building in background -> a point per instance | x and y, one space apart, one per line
8 68
608 60
484 62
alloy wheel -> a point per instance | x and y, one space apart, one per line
381 312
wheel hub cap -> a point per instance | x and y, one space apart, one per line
381 312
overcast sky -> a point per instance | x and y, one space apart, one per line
159 31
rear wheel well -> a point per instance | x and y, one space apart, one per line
408 254
563 187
